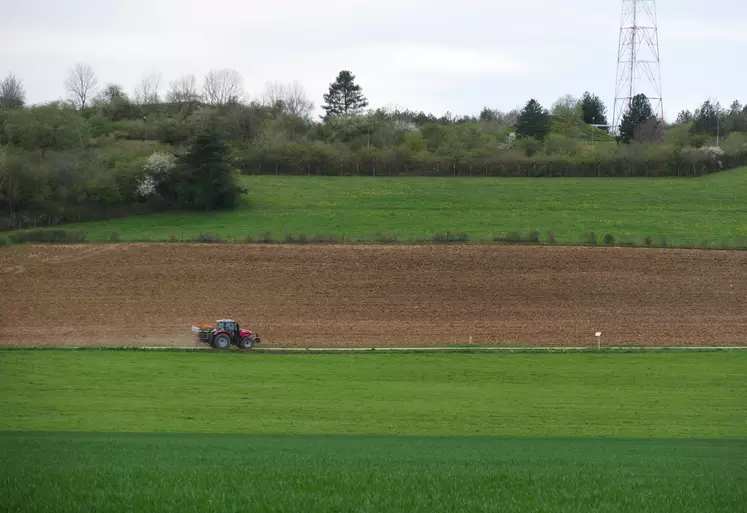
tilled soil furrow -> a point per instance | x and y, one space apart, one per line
325 296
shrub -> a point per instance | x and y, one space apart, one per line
158 170
450 237
267 238
609 240
332 239
534 236
46 236
209 238
512 237
385 239
648 241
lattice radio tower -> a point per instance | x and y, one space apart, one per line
638 63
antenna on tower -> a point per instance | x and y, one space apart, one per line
638 62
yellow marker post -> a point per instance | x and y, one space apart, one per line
470 340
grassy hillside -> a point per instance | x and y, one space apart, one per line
684 211
254 432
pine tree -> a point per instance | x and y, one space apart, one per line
593 110
637 119
204 178
344 97
533 121
706 120
684 117
735 108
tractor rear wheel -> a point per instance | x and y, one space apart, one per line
246 343
222 341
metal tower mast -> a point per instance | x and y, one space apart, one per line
638 63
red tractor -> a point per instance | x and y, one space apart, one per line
225 333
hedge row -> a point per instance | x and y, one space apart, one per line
681 164
530 238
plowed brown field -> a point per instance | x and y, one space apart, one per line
373 295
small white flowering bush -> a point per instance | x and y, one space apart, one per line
147 187
713 151
157 168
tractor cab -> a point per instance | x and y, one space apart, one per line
228 325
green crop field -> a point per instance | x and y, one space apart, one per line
185 473
99 430
685 211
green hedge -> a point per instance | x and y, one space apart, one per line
47 236
679 163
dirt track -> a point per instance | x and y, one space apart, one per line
373 295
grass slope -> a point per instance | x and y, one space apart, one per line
685 211
661 395
107 473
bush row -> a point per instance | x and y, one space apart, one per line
514 237
45 236
680 162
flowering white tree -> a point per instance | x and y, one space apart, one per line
147 187
157 168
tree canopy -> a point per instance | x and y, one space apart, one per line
707 119
204 178
12 93
533 121
639 122
593 110
344 96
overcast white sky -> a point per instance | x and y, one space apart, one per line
430 55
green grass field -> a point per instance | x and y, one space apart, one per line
66 472
201 431
685 211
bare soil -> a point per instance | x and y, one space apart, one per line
319 296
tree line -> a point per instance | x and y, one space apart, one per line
104 152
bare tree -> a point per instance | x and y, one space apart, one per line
12 93
273 94
183 90
81 84
147 91
223 87
290 99
297 102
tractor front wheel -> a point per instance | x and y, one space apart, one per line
246 343
222 341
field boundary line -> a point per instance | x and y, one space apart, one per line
456 349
